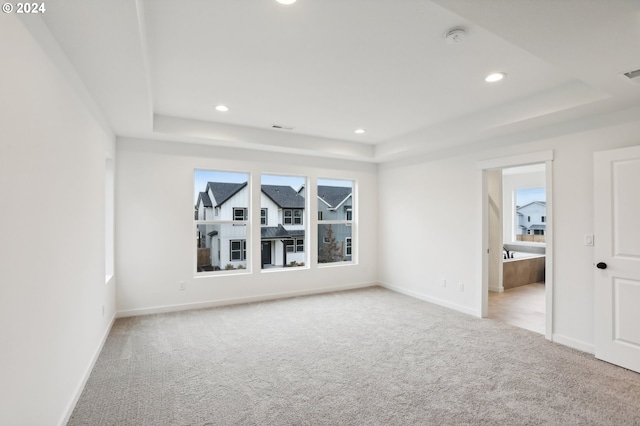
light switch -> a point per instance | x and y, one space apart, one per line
588 240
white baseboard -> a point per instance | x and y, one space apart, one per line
573 343
237 301
434 300
496 289
87 373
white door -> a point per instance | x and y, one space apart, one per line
617 255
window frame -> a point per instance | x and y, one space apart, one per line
244 211
225 256
294 217
264 218
242 250
346 210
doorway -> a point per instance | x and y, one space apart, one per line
517 243
266 253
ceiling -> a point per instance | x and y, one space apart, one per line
157 69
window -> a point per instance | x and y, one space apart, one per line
239 213
293 216
529 220
295 246
335 220
238 250
263 217
283 239
222 205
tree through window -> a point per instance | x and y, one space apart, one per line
335 219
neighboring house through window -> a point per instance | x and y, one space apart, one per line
335 220
283 209
530 216
221 219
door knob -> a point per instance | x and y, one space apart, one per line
601 265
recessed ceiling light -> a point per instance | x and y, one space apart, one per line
287 2
222 108
359 131
496 76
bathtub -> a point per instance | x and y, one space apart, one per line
523 268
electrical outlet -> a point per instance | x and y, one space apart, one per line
182 286
444 282
461 287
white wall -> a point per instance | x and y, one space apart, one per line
155 246
52 266
440 200
495 194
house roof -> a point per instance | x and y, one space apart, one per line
279 233
542 203
222 191
284 196
333 195
538 226
206 200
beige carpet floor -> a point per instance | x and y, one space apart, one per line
361 357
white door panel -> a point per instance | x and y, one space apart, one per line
617 244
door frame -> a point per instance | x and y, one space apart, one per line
545 157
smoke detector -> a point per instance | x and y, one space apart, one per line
455 35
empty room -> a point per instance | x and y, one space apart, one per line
285 212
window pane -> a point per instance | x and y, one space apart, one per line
335 199
530 214
283 200
332 243
335 204
221 247
217 193
220 197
